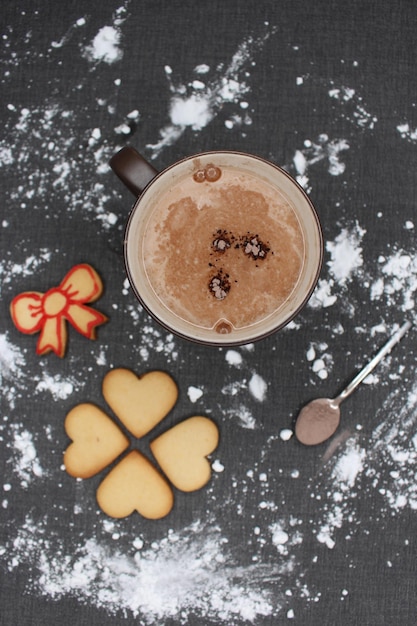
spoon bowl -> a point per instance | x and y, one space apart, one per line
317 421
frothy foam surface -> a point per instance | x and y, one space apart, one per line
223 252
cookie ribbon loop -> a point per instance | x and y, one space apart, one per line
33 311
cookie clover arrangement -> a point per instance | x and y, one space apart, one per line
135 483
48 312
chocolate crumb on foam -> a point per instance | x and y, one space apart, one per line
220 285
252 246
223 241
255 248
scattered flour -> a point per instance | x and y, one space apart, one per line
12 361
346 254
12 368
192 571
26 464
217 466
345 264
353 107
233 357
407 132
105 46
397 283
323 149
244 415
63 182
28 267
348 466
59 389
78 24
380 465
194 393
258 387
193 105
286 434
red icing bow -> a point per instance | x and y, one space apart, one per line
46 312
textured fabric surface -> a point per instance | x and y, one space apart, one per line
282 533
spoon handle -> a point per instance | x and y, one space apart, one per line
373 363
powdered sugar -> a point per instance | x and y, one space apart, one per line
59 388
105 46
407 132
323 149
193 570
382 464
27 267
353 108
346 254
258 387
196 103
12 360
194 393
345 264
397 284
26 463
233 357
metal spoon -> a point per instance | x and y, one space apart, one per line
319 419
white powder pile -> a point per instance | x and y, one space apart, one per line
12 360
397 284
233 357
194 393
243 414
194 104
320 358
191 573
105 46
345 264
393 446
407 132
12 367
26 464
323 149
348 466
258 387
346 254
59 388
339 479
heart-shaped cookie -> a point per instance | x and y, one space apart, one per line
96 441
135 485
139 402
181 452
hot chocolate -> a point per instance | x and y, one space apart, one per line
222 249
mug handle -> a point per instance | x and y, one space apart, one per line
132 169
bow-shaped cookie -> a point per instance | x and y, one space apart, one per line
47 313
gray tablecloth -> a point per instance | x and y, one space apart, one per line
283 533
